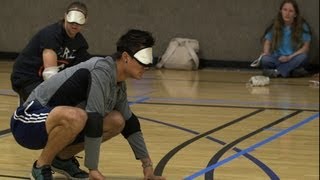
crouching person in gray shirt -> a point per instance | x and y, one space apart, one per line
83 106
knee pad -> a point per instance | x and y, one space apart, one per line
132 125
94 125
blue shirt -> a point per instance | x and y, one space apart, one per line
286 48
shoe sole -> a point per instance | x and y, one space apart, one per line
67 174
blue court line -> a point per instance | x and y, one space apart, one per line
256 161
142 99
236 102
251 148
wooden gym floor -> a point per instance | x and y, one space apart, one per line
204 124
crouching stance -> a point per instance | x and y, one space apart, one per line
83 106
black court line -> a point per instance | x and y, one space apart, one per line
4 132
162 163
209 175
236 149
261 165
248 156
13 177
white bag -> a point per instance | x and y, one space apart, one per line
259 81
180 54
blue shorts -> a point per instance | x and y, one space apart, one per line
28 126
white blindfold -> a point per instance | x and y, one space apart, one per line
76 17
144 56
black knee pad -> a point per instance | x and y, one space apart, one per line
132 125
94 125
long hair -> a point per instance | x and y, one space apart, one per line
296 27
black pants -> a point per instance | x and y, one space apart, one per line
25 91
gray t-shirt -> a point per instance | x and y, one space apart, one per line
102 94
93 84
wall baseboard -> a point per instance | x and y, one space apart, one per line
204 63
8 55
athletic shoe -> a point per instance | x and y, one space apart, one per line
41 173
271 73
69 168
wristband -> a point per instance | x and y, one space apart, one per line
49 71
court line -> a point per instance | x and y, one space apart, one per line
4 133
263 167
284 104
209 175
251 148
260 164
142 99
14 177
139 100
241 104
228 106
162 163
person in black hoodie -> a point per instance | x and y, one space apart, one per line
53 48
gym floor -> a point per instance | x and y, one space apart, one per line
205 124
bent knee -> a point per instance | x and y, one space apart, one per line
71 117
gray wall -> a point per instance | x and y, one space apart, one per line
226 29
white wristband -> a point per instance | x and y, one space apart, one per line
49 71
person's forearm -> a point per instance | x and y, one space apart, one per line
266 47
49 58
92 140
303 49
138 145
146 162
92 152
